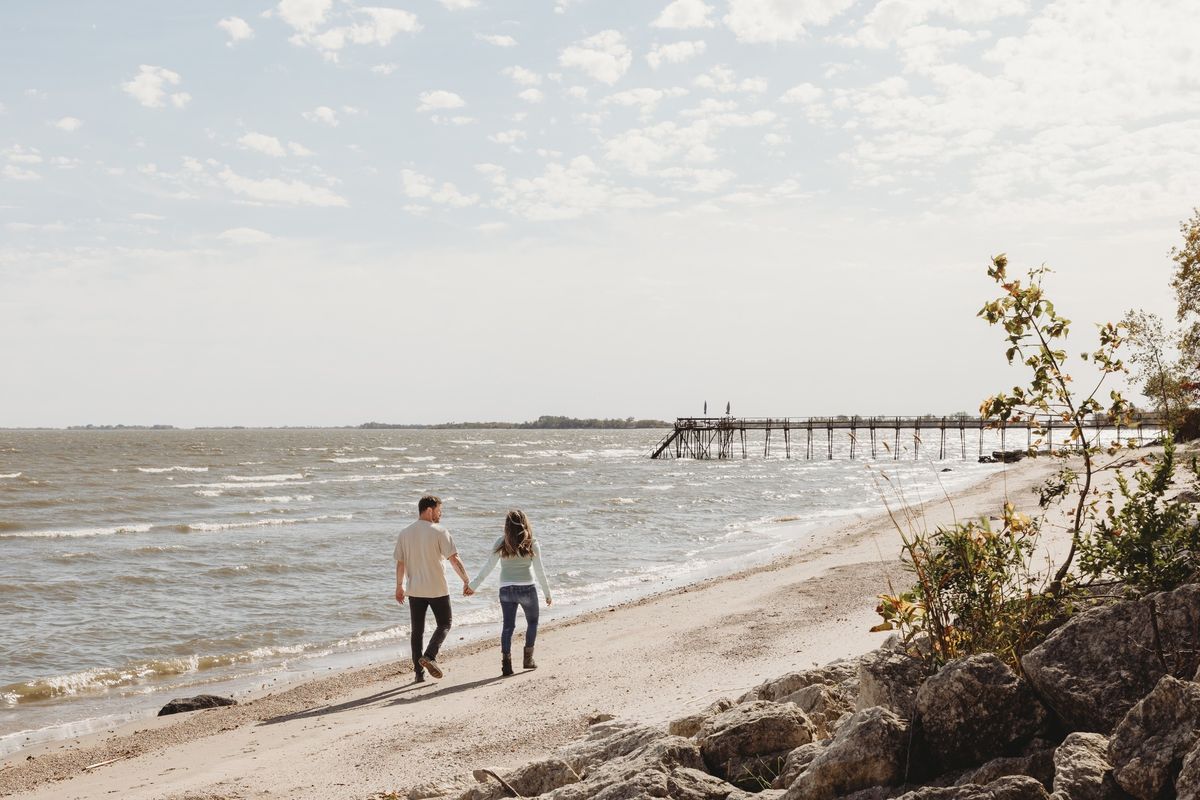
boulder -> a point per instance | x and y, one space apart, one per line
184 704
1187 785
824 706
1038 765
691 724
748 744
842 674
889 678
975 709
796 762
868 750
1093 669
1013 787
529 781
643 772
1082 771
1147 748
606 741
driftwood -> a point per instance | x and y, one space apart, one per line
103 763
482 775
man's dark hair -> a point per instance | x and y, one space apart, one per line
428 501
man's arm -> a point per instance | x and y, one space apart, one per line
400 582
457 563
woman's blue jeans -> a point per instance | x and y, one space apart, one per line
527 598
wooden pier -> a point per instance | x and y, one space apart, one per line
726 437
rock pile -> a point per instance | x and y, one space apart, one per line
1108 709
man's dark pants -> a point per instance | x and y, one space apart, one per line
441 613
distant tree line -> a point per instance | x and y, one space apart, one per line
545 422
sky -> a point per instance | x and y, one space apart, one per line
320 212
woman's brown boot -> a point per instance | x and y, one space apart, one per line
529 659
506 665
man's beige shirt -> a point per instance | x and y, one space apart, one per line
421 548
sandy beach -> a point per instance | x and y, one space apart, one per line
368 731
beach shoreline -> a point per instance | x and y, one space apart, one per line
731 631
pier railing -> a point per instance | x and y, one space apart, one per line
727 437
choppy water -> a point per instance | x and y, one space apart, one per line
137 563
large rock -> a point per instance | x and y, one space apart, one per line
1187 785
1013 787
1038 764
889 678
1082 771
796 762
529 781
606 741
1148 747
748 744
1093 669
185 704
691 724
842 674
975 709
664 767
868 750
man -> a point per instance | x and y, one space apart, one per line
420 549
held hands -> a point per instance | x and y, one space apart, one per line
400 595
549 602
467 590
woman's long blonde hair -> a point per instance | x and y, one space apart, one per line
518 536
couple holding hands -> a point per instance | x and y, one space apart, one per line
420 578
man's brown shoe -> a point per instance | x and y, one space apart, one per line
430 666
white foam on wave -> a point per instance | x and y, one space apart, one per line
286 498
393 449
11 475
420 458
355 460
206 527
77 532
156 470
291 476
241 484
208 492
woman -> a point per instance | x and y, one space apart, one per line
517 553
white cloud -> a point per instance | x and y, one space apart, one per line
14 173
23 155
508 137
780 20
604 56
274 191
499 40
263 144
304 15
323 114
237 29
459 5
523 77
645 99
642 150
700 180
378 26
723 79
674 53
297 149
385 69
68 124
439 100
578 92
685 14
149 87
564 191
532 95
492 227
245 236
802 93
421 187
144 217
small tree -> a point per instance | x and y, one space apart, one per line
1161 379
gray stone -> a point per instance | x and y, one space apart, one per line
691 724
1093 669
184 704
1012 787
529 781
975 709
643 772
1147 748
869 750
606 741
748 744
1082 771
1187 785
824 705
796 762
1038 765
842 674
889 678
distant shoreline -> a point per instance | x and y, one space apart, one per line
541 423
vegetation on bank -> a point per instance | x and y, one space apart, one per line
982 586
